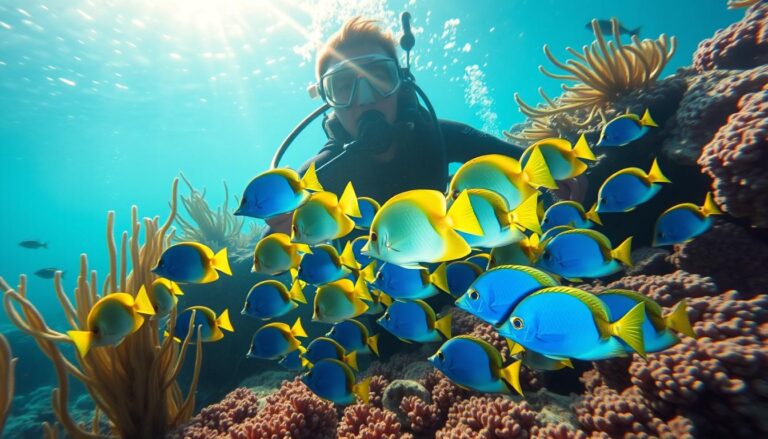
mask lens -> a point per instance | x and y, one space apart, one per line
380 73
339 86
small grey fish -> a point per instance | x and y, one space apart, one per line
33 244
607 28
48 272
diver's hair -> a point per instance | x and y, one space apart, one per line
357 30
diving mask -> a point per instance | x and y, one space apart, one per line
361 75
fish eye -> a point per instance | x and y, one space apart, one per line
546 220
440 356
380 276
455 194
547 255
474 295
387 317
374 237
245 201
517 323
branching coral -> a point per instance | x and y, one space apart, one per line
604 71
134 383
215 229
7 365
737 4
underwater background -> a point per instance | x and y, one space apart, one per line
104 103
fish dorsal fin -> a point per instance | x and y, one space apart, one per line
594 234
493 354
428 312
581 149
653 308
543 278
595 305
291 176
433 202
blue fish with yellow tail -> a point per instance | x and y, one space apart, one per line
324 265
503 175
277 191
334 381
563 160
414 320
481 259
416 227
565 322
163 296
584 253
474 364
276 340
534 360
192 262
368 208
685 221
659 332
496 292
625 129
405 283
353 336
322 348
276 254
111 319
357 247
460 275
341 300
524 252
628 188
501 226
325 217
295 360
270 298
205 318
569 213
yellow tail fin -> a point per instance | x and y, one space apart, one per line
385 299
82 340
302 248
348 202
297 330
369 272
294 274
647 120
296 293
511 374
223 321
567 363
221 263
526 214
361 290
373 343
709 207
351 360
310 181
592 215
622 252
655 175
142 304
462 216
439 278
678 321
537 170
629 328
348 257
361 389
581 149
443 326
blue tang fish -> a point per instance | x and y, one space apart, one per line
565 322
357 246
205 318
480 259
500 225
192 262
341 300
353 336
324 265
295 360
658 332
324 347
270 298
275 254
368 208
277 191
460 275
163 296
625 129
405 283
275 340
325 217
497 291
414 320
569 213
334 381
534 360
628 188
584 253
684 222
524 252
562 158
474 364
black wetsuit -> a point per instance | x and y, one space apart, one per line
419 162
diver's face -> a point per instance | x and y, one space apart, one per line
385 105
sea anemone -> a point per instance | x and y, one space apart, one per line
604 71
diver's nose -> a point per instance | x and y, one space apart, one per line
365 94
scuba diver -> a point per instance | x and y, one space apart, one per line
379 136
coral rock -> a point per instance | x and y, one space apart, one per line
489 417
399 389
363 421
668 289
742 45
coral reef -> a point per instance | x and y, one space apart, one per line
7 381
490 417
399 389
363 421
134 383
742 45
217 229
737 159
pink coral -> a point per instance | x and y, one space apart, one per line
557 431
737 160
489 417
422 417
363 421
743 44
376 390
216 420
